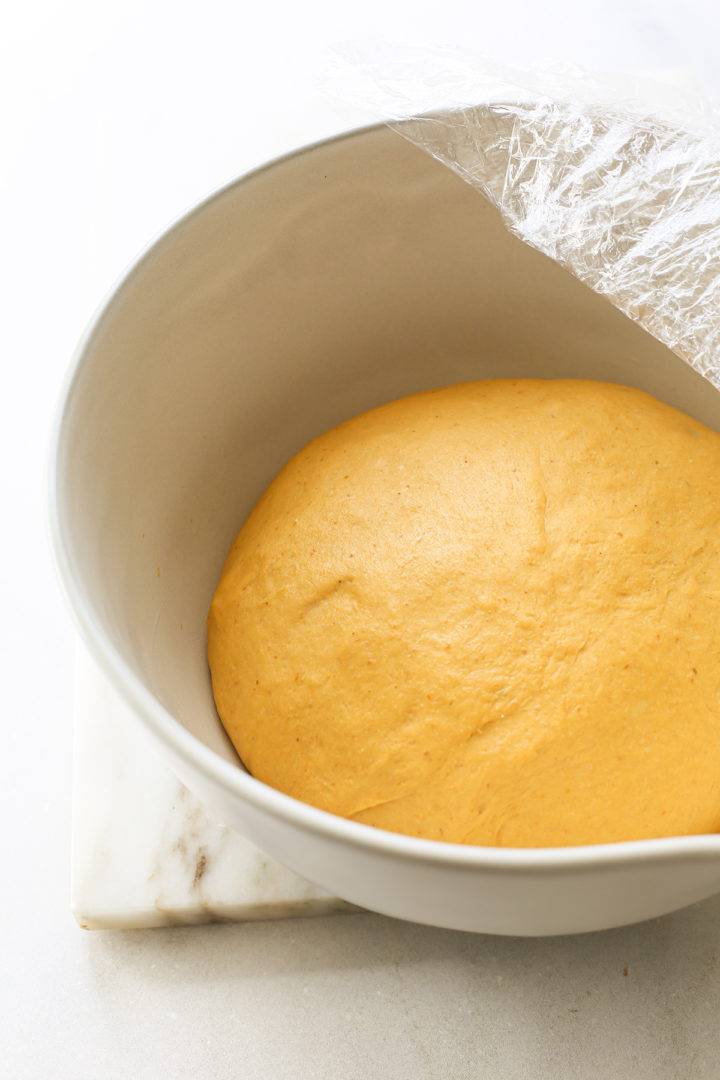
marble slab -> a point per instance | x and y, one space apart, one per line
145 851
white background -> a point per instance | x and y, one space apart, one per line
116 117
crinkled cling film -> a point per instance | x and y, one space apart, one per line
617 179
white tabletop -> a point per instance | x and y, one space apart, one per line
116 116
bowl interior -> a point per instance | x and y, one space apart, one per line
325 284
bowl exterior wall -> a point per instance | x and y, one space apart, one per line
344 276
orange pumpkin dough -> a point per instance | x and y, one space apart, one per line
485 614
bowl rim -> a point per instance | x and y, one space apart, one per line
194 753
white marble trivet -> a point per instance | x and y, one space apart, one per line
146 852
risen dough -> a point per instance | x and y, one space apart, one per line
486 614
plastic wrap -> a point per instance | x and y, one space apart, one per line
617 179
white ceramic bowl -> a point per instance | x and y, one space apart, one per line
330 281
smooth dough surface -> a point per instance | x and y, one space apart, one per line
486 614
